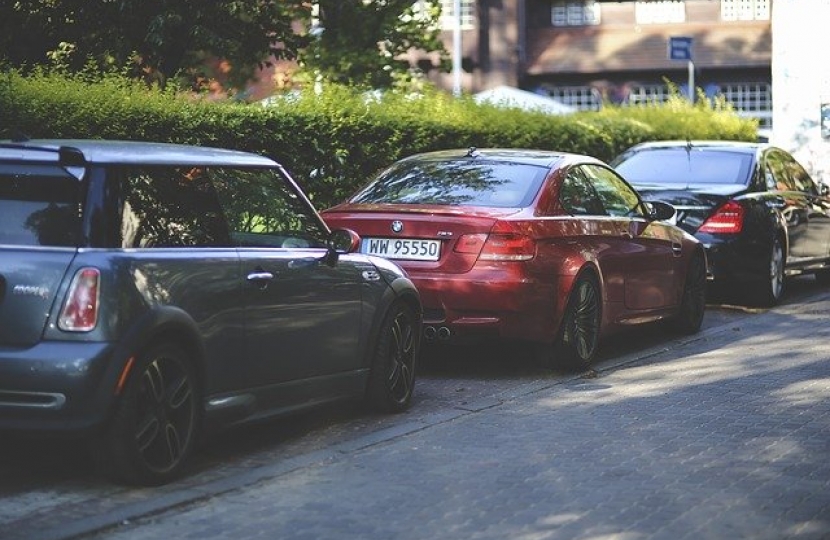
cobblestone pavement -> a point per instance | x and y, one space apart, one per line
725 438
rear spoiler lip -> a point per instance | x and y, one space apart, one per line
68 156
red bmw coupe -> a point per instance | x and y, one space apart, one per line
546 247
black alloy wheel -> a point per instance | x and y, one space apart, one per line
770 289
693 304
578 340
155 425
392 376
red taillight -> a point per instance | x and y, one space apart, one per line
504 243
470 243
728 219
80 310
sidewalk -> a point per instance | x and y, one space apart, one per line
727 437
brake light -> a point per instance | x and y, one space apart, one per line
506 242
470 243
80 310
728 219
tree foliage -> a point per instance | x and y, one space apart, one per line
360 43
363 43
157 38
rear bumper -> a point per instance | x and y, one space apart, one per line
734 259
490 303
56 387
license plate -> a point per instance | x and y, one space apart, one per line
402 248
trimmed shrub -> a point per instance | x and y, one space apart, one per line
335 140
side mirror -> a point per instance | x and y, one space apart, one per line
343 241
660 211
823 189
340 242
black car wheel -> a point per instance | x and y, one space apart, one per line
769 290
154 426
693 304
392 376
578 341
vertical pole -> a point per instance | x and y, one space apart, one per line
456 48
691 82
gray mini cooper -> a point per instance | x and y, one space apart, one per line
150 292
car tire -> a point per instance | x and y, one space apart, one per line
392 373
156 421
693 303
577 342
770 289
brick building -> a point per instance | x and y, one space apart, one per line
583 52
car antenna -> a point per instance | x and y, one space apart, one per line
689 152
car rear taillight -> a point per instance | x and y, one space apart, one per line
470 243
504 243
80 310
728 219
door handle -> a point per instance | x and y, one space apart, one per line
260 276
677 249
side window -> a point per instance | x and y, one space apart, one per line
263 210
618 198
777 175
170 207
578 197
800 178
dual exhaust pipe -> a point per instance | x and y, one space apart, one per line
440 333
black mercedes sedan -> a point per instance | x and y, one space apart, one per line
150 292
758 212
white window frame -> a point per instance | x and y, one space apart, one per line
575 13
745 10
659 11
752 100
648 93
584 98
468 14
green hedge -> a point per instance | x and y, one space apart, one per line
334 141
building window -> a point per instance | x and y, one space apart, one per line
744 10
584 98
659 11
467 12
752 100
648 93
584 13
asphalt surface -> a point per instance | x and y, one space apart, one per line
721 435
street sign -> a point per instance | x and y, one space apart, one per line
680 48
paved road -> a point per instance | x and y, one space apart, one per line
724 435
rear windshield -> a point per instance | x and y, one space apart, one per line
38 206
462 182
679 166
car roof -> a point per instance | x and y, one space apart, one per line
128 152
741 146
543 158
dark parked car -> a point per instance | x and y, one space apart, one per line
753 206
546 247
148 291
